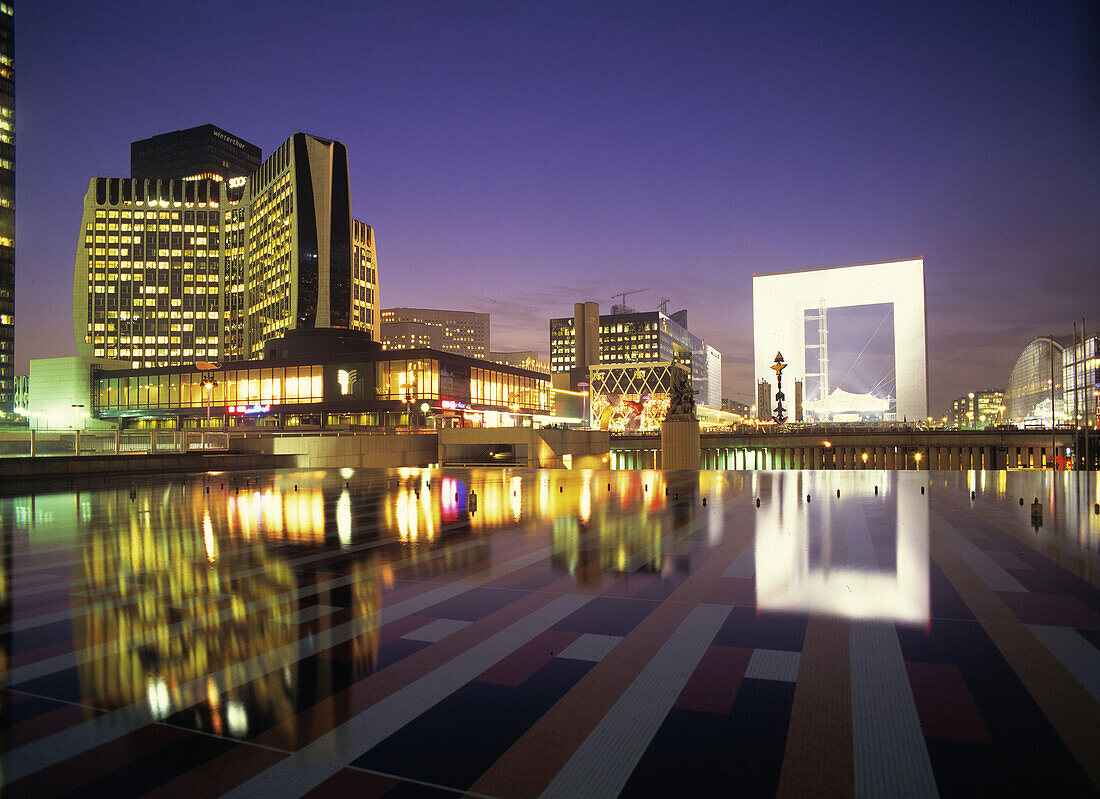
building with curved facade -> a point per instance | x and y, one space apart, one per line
1028 393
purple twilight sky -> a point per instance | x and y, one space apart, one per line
517 157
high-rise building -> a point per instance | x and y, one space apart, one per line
463 332
170 272
204 152
7 207
590 339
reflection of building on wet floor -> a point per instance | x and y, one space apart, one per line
775 632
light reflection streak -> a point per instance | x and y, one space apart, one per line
819 557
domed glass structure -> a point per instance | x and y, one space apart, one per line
1028 392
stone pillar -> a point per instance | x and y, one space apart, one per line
680 442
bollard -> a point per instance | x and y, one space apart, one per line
838 493
922 489
807 497
876 491
758 502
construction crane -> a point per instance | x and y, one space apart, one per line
623 294
663 305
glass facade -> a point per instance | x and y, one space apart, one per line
355 391
278 385
496 387
1081 380
1028 394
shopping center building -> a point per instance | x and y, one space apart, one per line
323 379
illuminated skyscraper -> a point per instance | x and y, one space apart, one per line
7 207
171 272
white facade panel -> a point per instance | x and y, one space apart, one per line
779 303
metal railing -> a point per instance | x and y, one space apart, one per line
39 443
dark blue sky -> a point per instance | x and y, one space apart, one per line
517 157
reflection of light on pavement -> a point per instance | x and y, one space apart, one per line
517 497
788 529
343 518
208 537
586 501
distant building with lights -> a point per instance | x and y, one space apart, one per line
733 406
7 207
170 271
977 409
410 336
461 332
205 152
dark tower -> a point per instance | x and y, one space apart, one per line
203 152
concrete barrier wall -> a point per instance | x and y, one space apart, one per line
354 450
114 465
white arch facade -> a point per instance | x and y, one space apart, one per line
780 300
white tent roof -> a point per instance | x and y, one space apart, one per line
841 401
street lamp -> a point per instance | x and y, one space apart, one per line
208 384
407 388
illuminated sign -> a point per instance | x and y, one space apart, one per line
235 182
250 409
452 405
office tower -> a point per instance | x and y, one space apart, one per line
589 338
148 277
366 314
173 271
203 152
7 207
463 332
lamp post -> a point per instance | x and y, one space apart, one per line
76 427
407 388
208 384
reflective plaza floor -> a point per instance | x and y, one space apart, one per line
520 633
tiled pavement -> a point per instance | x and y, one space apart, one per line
579 634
